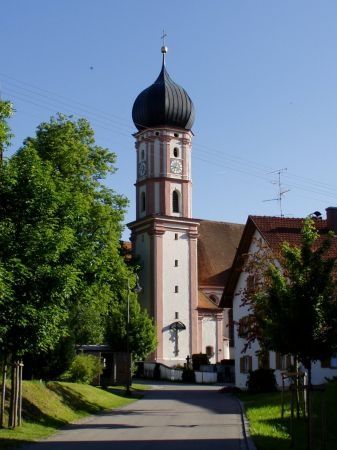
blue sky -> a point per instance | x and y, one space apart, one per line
262 75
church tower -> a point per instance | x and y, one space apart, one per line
164 235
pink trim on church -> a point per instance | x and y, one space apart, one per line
193 290
158 290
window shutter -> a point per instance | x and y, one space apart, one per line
267 360
289 362
242 365
250 363
240 330
278 364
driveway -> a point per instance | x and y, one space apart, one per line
169 417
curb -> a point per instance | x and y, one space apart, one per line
248 441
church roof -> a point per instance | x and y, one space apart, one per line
164 103
217 245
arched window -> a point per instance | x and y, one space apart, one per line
142 202
142 154
175 201
176 152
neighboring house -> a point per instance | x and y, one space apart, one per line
271 232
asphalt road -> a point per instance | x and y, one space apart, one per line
169 417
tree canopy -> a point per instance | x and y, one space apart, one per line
61 271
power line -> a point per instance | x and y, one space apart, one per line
121 126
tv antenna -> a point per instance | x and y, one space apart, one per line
280 191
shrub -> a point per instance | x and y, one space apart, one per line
188 375
261 380
84 369
199 359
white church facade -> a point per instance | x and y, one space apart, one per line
184 261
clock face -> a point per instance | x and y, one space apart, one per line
142 168
176 166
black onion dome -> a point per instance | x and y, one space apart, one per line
164 103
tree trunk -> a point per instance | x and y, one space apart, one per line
11 416
298 397
309 387
20 394
3 393
14 400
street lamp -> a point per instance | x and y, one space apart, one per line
137 289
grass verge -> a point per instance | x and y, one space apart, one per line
269 431
46 407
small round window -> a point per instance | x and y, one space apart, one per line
176 152
157 133
176 135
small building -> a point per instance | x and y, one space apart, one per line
115 364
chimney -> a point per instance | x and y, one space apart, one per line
331 218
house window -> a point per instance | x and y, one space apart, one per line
263 360
246 363
175 201
333 362
251 283
176 289
176 152
283 362
175 263
142 202
329 363
244 326
231 328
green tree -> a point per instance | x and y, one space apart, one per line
142 332
61 271
6 111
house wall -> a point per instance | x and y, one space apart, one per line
240 311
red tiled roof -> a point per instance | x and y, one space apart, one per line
217 244
275 231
